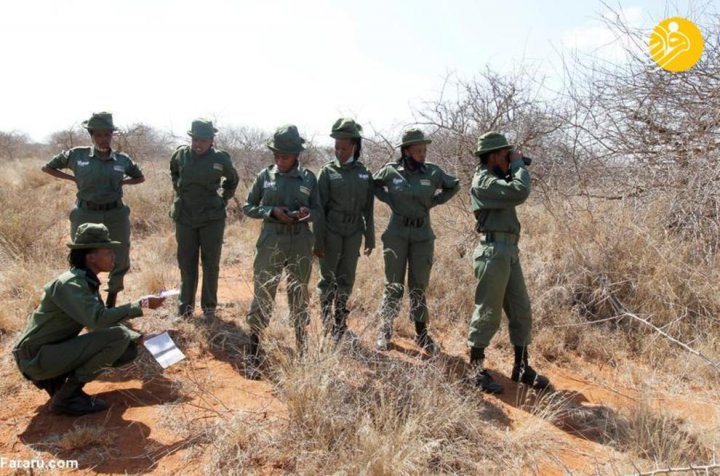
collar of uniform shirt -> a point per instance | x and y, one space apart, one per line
112 155
420 167
294 172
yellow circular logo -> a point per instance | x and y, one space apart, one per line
676 44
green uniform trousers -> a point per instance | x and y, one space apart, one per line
275 253
337 268
416 257
500 285
204 243
117 222
85 355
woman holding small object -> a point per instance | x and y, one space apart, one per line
284 197
52 353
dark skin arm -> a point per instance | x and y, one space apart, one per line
133 181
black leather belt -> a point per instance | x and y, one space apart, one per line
99 207
493 236
350 217
285 228
413 222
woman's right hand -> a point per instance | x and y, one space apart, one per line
280 213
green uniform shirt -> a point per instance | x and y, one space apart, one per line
98 180
294 189
346 197
196 180
70 303
411 195
494 199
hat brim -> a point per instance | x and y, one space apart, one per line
345 135
413 142
478 153
87 246
271 146
87 127
202 136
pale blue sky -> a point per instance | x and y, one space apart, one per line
263 64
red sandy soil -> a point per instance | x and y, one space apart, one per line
143 442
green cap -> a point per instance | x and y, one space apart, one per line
346 128
92 235
99 121
413 136
491 141
286 140
202 129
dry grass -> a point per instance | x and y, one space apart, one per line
367 414
83 436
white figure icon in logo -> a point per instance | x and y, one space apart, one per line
667 44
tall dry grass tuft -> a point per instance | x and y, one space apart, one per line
368 417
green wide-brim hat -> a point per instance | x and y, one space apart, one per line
202 129
491 141
286 140
92 236
346 128
100 121
413 136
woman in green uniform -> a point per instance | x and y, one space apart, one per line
52 353
284 197
100 174
410 187
501 183
198 171
346 198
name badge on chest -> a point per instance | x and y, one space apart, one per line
426 182
398 181
118 168
364 176
218 166
304 190
83 163
267 185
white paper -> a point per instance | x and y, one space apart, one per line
169 293
164 350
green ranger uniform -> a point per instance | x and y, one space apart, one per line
346 198
282 246
51 344
500 282
51 349
408 241
199 214
99 199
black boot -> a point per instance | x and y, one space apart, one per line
523 373
252 359
340 318
423 340
481 377
51 385
111 300
71 400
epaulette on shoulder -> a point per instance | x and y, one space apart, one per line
81 148
71 275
